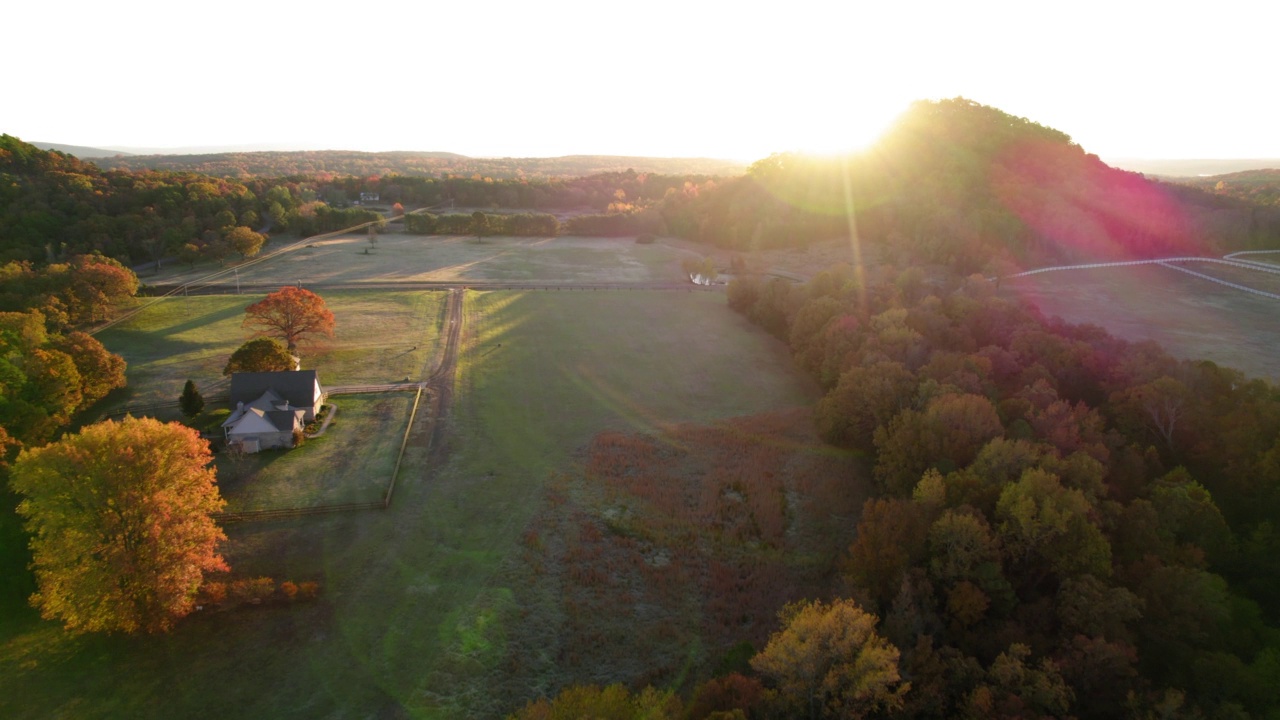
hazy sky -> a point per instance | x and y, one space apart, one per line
686 78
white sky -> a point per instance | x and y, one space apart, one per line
662 78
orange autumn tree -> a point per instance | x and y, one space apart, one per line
290 314
121 526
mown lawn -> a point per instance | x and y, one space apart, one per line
380 336
416 603
350 463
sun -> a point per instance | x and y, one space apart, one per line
844 134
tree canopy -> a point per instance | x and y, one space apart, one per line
265 354
45 378
245 241
828 661
291 314
119 515
1065 522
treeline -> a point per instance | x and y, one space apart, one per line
1096 508
80 291
414 164
53 206
1258 187
320 218
518 224
49 372
537 224
613 192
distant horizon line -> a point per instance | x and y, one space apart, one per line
1201 165
284 147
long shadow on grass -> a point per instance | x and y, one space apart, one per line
207 318
134 344
234 478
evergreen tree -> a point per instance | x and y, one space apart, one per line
191 402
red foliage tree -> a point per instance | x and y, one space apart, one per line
290 314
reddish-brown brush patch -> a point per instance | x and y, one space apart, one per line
666 550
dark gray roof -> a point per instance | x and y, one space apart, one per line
293 386
283 420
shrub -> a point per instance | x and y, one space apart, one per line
212 593
253 591
290 589
308 590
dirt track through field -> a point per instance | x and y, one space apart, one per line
439 384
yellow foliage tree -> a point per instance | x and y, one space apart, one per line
120 521
828 662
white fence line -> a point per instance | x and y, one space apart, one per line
1250 252
1210 278
1262 267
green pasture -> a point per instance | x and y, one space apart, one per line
403 257
413 615
380 336
1192 318
1248 277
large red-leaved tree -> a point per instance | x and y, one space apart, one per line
290 314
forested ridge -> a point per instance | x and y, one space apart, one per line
971 187
422 164
953 183
1259 187
53 206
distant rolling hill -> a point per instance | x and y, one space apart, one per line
80 151
1193 167
425 164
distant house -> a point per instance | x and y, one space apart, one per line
368 197
268 407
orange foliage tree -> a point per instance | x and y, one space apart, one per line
290 314
120 521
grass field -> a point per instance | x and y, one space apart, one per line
350 463
417 603
380 336
666 551
399 256
1191 318
1256 279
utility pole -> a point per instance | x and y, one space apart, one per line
237 272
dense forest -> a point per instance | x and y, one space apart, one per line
414 164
